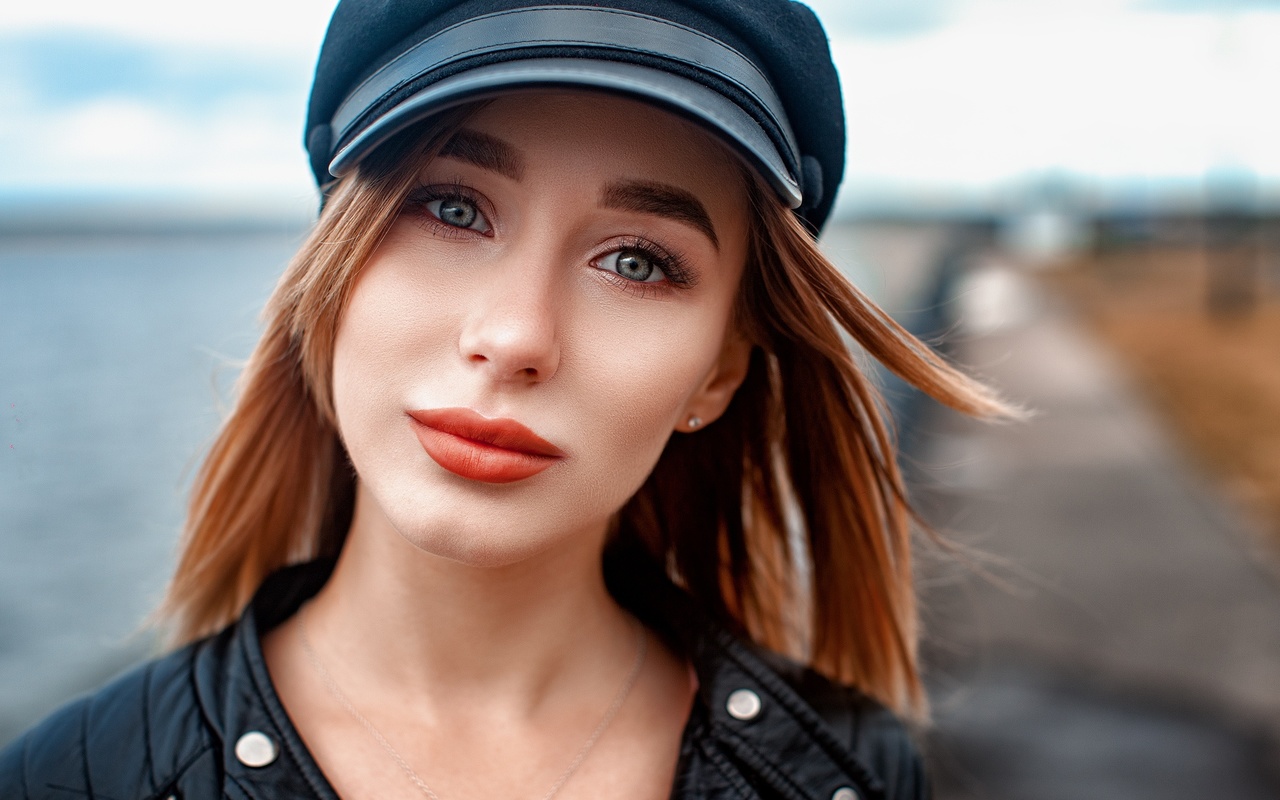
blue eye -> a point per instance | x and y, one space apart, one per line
458 212
634 265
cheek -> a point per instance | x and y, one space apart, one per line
637 389
388 331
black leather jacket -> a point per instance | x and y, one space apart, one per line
170 728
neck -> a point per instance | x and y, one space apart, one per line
442 631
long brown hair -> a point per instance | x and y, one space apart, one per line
787 518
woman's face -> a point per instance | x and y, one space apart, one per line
568 266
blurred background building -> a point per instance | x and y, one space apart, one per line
1078 199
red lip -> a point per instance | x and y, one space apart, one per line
482 449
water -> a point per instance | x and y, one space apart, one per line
116 354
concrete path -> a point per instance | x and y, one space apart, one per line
1130 645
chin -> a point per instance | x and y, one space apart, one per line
482 549
485 531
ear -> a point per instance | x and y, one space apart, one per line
712 398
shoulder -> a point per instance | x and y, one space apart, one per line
873 733
135 737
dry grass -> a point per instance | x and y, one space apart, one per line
1217 379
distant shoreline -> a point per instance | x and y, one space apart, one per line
90 228
151 216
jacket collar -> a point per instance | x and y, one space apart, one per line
239 699
772 743
785 742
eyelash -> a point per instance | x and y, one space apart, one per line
417 200
673 265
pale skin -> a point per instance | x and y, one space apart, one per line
469 621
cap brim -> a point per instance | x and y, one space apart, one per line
678 94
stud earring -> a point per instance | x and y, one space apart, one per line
695 422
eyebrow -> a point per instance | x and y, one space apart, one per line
662 200
486 152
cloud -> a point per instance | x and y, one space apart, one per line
119 143
84 112
68 66
1129 96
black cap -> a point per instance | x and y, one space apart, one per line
757 74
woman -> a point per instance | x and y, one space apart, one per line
583 491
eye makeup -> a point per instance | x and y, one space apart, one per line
675 269
418 203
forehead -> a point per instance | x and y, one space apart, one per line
605 135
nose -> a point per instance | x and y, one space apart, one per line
511 333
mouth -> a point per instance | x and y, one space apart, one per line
482 449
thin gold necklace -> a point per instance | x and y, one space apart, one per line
609 714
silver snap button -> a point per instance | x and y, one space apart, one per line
844 793
743 704
255 749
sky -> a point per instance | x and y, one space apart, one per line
947 101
